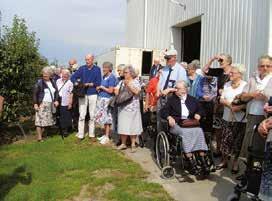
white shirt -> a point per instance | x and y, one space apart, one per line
229 94
257 106
184 109
47 96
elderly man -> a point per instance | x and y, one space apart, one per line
171 73
155 68
90 75
73 66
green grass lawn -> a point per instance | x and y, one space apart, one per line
62 170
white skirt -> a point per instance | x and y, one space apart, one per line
129 122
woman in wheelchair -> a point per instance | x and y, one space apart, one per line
182 112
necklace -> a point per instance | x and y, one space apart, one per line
235 85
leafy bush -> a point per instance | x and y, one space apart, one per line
20 65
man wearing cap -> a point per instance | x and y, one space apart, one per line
171 73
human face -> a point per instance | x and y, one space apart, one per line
223 61
191 71
235 75
65 76
120 72
156 62
46 76
89 60
181 90
127 74
106 70
172 61
264 66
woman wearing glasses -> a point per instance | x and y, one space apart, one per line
256 93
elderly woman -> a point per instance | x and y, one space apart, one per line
105 93
234 121
129 115
45 96
65 88
179 108
222 74
194 80
256 94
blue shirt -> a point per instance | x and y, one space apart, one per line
194 86
88 75
178 73
109 81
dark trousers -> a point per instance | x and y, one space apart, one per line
75 112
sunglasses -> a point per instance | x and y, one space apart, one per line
267 66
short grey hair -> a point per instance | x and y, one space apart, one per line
48 70
228 57
240 68
196 63
121 66
184 83
263 57
65 70
131 70
108 65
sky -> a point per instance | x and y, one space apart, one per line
70 28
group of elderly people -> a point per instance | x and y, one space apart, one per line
53 101
178 94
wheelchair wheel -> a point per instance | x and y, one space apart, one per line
162 150
168 172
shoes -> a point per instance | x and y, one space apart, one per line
101 138
221 166
92 139
105 140
79 140
235 171
193 167
133 149
122 147
204 166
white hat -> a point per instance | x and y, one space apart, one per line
171 52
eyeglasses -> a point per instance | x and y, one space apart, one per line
126 72
263 66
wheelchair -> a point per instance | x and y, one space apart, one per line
168 150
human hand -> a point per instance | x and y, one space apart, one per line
171 121
69 106
56 103
267 108
36 107
197 117
206 98
236 108
88 84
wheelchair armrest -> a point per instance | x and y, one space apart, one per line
164 124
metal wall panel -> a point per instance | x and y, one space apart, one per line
241 28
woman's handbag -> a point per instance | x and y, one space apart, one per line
124 97
189 123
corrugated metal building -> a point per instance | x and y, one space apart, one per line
242 28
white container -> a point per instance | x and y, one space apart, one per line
140 58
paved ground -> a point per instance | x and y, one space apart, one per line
216 188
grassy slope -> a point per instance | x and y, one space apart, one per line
57 170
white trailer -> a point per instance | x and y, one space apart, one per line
140 58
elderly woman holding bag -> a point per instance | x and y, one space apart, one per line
45 96
129 115
234 117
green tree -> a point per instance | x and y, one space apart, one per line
20 65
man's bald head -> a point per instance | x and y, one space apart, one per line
89 58
72 62
156 61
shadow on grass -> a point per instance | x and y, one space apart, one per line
9 181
